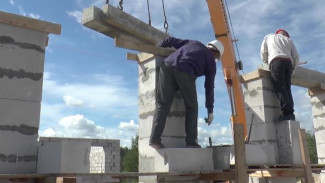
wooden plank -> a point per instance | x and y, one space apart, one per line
29 23
241 175
277 173
133 45
219 176
305 156
144 57
132 56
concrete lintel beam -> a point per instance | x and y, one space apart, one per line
117 24
303 77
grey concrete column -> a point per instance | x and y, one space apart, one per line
22 48
262 108
262 112
317 97
21 77
174 132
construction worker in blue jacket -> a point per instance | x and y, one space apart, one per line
178 72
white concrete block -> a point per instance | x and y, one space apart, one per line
257 154
320 151
183 159
175 127
28 60
23 35
23 88
262 114
64 157
261 95
319 122
261 132
16 113
288 142
320 136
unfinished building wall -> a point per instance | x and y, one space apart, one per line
22 49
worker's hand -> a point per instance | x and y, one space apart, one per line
209 119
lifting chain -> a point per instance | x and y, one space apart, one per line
165 23
120 6
149 12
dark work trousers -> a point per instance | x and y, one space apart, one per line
170 81
281 72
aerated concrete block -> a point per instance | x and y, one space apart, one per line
22 65
257 154
18 153
63 156
16 114
260 92
183 159
320 136
261 132
288 142
262 114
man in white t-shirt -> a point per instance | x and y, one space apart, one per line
279 52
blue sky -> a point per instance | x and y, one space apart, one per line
90 89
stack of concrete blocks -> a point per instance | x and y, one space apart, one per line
97 160
270 141
72 155
317 96
22 48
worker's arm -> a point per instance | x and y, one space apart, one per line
264 50
172 42
295 56
209 86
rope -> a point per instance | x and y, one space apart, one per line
165 23
120 6
232 30
149 12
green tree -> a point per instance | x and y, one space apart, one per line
311 144
130 159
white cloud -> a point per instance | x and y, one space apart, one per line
78 126
12 2
21 11
33 15
219 134
75 14
72 101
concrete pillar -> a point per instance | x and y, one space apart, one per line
22 49
317 97
262 108
264 130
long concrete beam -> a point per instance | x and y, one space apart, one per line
115 23
302 77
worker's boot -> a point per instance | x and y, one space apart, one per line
157 145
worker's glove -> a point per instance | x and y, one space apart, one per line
209 119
